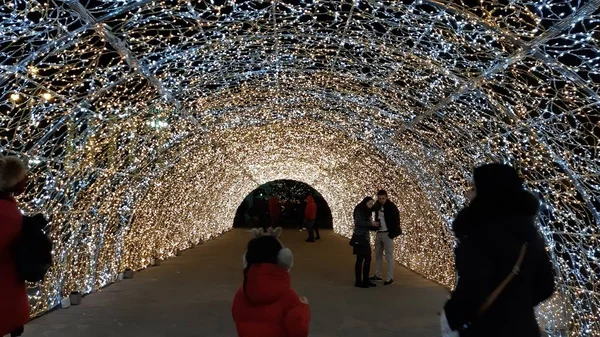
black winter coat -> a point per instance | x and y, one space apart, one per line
490 239
392 218
362 221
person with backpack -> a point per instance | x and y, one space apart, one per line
14 310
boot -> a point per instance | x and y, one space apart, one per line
361 284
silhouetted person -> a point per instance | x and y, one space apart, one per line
258 213
361 243
310 219
501 261
14 304
266 304
388 216
274 211
297 214
323 213
240 215
253 213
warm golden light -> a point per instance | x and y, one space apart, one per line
15 97
168 106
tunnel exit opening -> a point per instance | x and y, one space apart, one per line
281 203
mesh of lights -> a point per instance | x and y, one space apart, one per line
134 112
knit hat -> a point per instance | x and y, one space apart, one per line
12 171
265 247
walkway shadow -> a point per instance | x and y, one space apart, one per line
191 296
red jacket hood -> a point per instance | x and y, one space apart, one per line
266 283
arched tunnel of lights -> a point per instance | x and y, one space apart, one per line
134 112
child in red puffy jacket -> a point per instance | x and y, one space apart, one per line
266 305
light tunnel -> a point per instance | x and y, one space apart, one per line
146 123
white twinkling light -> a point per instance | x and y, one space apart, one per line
147 123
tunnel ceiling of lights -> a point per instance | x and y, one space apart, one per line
137 116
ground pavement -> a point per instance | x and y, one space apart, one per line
191 295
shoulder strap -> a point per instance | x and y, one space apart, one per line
516 269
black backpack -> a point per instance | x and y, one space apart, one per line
33 250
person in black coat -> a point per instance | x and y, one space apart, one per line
361 243
492 232
388 216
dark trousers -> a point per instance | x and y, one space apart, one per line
362 267
274 222
312 229
17 332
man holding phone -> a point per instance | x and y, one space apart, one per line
388 218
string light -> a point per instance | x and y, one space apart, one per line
160 117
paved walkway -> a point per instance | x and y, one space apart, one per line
191 295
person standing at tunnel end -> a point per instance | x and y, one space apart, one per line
14 307
502 265
310 219
388 216
266 304
274 211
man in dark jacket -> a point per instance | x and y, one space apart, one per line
387 214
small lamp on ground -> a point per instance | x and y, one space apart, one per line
128 273
75 298
65 302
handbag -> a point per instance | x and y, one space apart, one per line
356 240
446 332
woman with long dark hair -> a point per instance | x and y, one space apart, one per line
361 242
501 261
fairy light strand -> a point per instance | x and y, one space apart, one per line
348 98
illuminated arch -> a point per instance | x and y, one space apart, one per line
115 102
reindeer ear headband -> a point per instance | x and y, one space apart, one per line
285 258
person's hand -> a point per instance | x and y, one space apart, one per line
304 300
376 224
